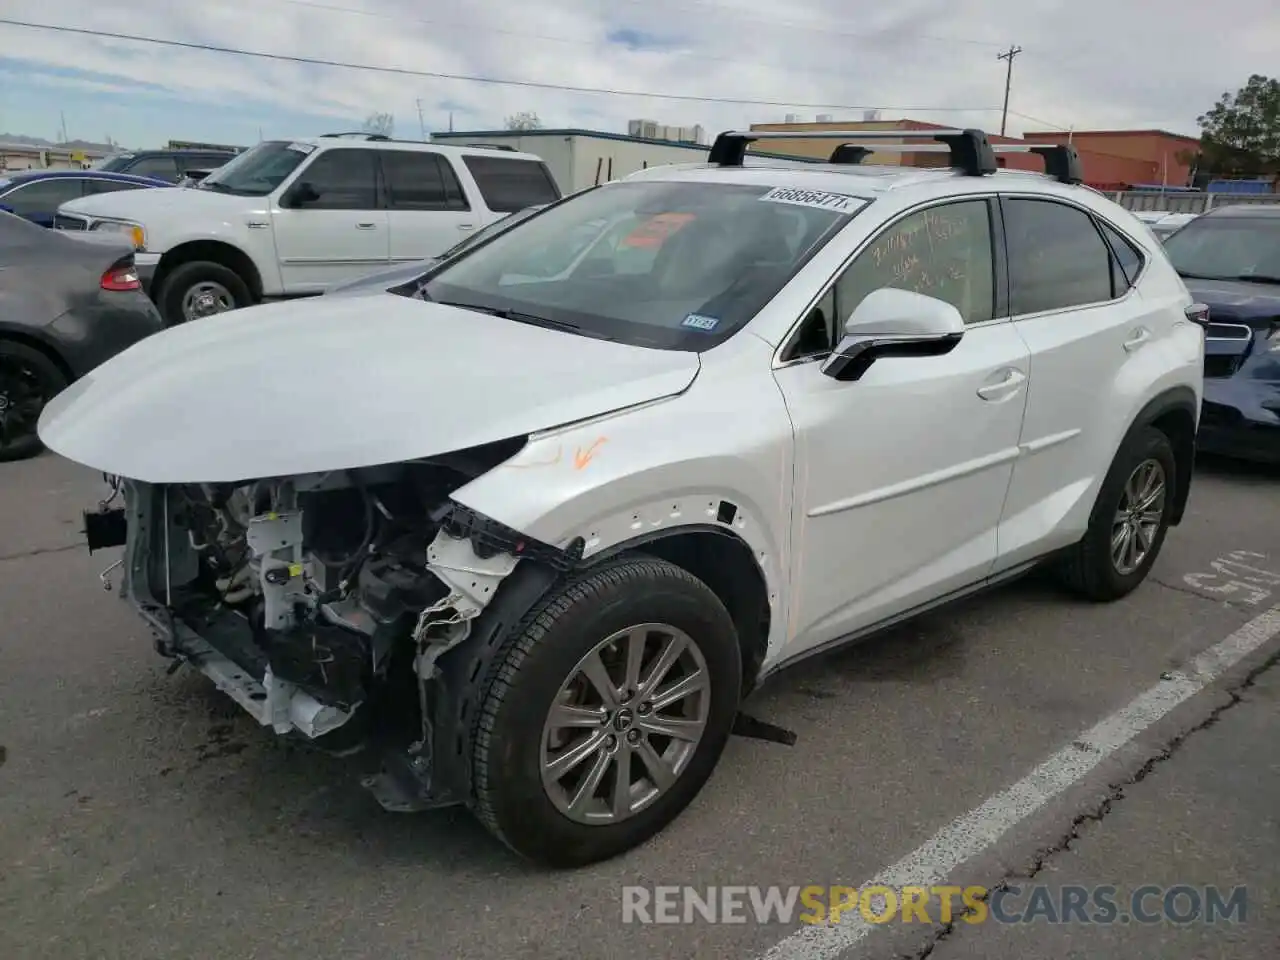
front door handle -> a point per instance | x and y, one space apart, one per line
1137 339
366 226
1004 388
466 226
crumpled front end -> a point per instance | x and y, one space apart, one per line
322 604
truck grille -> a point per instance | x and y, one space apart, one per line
64 221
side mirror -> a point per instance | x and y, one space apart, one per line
894 323
300 194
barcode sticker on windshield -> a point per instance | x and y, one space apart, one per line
839 202
699 322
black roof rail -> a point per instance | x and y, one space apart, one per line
489 146
358 133
970 149
1061 160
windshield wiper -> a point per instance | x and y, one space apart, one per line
1188 275
1258 278
515 315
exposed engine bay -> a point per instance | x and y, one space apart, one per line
320 603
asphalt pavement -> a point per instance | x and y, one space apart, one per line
1021 740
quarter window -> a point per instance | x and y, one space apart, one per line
508 184
342 180
1126 262
1057 258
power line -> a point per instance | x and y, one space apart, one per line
1008 82
495 81
827 28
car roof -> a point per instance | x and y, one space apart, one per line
411 145
1265 210
862 180
23 176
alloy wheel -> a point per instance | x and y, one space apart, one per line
1138 517
625 724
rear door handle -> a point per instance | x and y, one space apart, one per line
366 226
1137 339
466 226
1003 388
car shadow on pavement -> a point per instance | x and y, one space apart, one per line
1237 471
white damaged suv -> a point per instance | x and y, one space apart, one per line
533 524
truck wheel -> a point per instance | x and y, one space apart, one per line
28 380
200 289
605 713
1129 522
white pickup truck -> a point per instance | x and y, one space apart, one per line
292 217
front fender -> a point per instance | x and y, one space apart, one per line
719 454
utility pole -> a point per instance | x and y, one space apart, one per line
422 124
1008 82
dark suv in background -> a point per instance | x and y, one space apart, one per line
168 165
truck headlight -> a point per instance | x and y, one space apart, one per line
133 231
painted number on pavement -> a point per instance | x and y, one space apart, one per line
1241 575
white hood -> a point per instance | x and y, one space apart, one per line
324 384
139 205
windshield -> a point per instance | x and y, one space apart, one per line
259 170
1227 248
116 163
484 233
679 266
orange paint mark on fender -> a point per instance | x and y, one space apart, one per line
583 457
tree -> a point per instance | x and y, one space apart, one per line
380 123
1241 134
527 120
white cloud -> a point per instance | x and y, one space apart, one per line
1088 63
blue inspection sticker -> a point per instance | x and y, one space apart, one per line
698 322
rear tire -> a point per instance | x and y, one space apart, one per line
520 796
198 289
1098 568
28 380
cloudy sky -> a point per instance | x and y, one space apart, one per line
1085 63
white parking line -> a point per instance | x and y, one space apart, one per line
978 829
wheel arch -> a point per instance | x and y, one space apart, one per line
727 564
215 251
8 335
1175 413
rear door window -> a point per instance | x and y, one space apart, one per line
418 180
509 184
1057 257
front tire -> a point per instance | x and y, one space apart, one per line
605 715
201 288
1129 522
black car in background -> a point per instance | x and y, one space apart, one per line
68 302
1229 259
170 166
